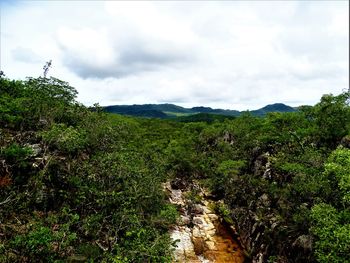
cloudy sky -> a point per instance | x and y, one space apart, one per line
234 55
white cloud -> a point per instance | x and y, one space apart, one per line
25 55
236 55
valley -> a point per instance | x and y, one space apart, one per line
79 184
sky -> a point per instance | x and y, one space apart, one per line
231 54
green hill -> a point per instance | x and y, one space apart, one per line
276 107
172 111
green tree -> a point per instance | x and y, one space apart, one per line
332 118
332 221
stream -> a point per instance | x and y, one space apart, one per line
201 235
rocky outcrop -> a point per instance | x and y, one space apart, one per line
200 234
345 141
252 231
262 166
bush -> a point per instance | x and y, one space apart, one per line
15 154
66 139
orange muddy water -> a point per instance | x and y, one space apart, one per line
227 249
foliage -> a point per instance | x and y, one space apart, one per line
333 243
337 169
332 118
66 139
15 154
91 190
331 225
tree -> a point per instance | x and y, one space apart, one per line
332 118
331 222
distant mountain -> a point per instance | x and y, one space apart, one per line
276 107
184 114
170 108
215 111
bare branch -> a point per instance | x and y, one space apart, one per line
7 200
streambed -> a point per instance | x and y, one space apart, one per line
201 235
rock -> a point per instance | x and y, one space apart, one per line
184 220
197 220
210 233
208 227
199 241
177 184
166 186
304 242
262 166
213 217
345 141
203 260
176 197
184 248
182 210
206 210
228 138
210 245
198 209
196 232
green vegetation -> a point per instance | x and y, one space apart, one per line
78 184
81 185
204 117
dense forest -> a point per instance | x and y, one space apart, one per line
78 184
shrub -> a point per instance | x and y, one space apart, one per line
65 139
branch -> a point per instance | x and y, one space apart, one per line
7 200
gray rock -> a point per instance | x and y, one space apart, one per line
304 242
197 209
197 220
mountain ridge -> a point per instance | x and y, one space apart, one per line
168 110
